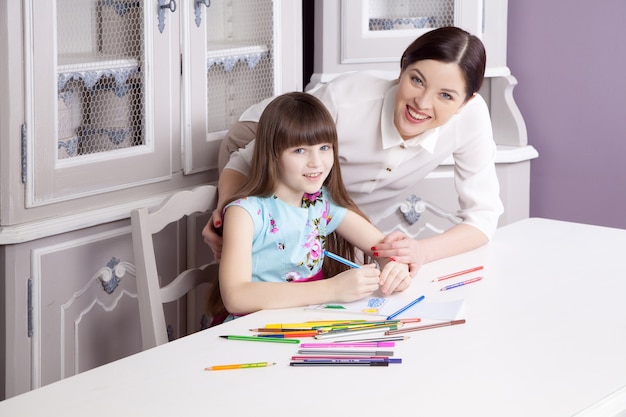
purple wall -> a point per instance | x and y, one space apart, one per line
569 57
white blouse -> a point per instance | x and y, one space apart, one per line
379 167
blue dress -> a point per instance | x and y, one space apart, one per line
288 243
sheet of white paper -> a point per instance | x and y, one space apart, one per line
381 306
442 310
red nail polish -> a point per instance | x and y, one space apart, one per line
218 223
375 253
392 259
373 248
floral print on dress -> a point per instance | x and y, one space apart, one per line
315 239
310 199
315 246
273 226
292 276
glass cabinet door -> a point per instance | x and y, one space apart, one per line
238 52
380 30
99 118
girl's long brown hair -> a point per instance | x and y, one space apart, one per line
291 120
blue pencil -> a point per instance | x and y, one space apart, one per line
406 307
340 259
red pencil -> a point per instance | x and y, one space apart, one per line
456 274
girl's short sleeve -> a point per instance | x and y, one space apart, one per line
335 214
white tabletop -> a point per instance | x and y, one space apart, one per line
545 336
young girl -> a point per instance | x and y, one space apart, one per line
276 228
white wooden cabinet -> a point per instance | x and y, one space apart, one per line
373 34
353 35
109 105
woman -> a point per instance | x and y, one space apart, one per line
392 133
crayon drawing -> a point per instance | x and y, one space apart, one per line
372 305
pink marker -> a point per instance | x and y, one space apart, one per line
346 344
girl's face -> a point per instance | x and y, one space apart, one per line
429 93
303 169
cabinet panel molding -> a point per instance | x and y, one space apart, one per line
79 323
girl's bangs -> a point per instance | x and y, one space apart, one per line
303 132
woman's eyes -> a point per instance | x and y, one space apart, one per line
325 147
417 80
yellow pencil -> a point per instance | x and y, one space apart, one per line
309 324
239 366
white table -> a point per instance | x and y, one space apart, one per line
545 336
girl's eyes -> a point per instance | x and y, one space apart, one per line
302 150
446 96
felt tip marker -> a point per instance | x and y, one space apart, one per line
345 360
342 260
345 345
406 307
325 363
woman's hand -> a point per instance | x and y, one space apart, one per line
394 277
211 234
403 249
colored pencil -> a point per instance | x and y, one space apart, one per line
425 327
310 324
239 366
456 274
459 284
353 329
260 339
382 338
363 324
329 335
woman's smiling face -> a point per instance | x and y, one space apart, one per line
429 93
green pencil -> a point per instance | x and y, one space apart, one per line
262 339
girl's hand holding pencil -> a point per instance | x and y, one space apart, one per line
357 283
